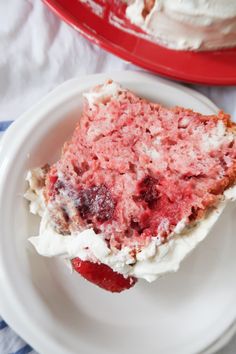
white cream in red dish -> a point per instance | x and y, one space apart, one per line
137 187
186 24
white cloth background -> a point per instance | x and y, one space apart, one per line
38 52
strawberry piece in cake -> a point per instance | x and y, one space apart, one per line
103 276
133 177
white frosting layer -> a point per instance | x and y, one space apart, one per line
153 261
35 192
188 24
103 92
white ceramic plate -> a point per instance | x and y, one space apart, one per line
60 313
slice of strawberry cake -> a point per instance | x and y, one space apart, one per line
137 187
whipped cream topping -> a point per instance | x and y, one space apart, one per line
100 93
188 24
35 191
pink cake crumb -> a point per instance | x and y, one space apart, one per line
134 169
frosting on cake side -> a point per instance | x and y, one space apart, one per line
187 24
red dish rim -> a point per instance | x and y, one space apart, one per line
87 32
